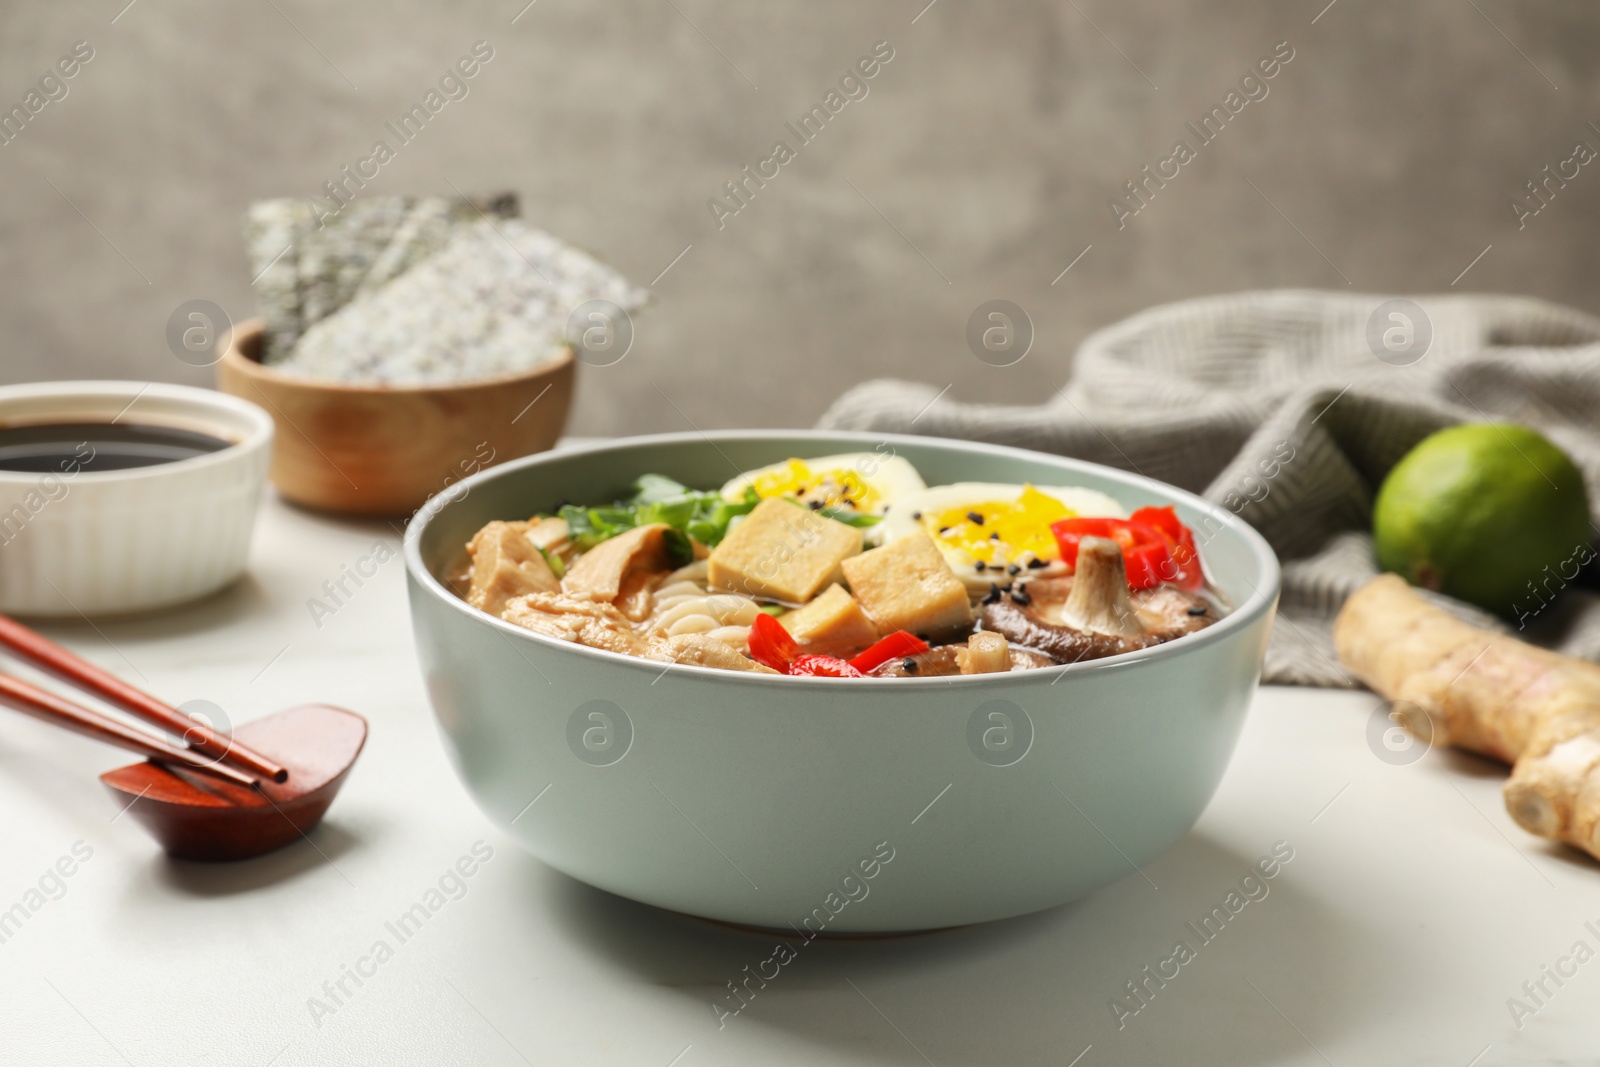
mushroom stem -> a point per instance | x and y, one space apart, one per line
1099 600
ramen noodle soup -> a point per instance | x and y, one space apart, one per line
848 566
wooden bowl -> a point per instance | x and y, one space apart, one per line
383 449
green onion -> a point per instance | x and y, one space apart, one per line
858 519
557 568
850 518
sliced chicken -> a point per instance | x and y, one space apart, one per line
701 650
581 621
506 564
621 570
551 534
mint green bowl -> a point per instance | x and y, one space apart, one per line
833 806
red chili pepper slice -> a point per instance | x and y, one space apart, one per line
771 645
1069 532
1147 566
1185 556
1145 553
1164 519
822 667
897 645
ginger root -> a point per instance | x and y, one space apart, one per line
1458 685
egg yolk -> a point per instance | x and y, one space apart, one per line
1023 526
843 488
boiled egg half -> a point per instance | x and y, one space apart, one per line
983 528
864 482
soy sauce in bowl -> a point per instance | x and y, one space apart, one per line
99 446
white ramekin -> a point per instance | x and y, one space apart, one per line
90 543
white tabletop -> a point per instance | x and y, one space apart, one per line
1411 911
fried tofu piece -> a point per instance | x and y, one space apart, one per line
621 570
832 625
782 551
583 622
699 650
908 585
506 564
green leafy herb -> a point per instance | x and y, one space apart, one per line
654 488
589 526
679 550
704 517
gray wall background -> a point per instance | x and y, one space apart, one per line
978 167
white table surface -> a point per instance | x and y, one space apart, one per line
1412 910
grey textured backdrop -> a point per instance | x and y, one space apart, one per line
1385 155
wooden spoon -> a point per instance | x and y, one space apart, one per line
194 800
197 816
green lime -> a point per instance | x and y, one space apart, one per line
1490 513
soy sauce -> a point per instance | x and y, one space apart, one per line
72 447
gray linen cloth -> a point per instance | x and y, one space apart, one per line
1287 408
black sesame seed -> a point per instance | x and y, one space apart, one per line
981 565
944 529
1007 587
1035 563
816 505
994 536
975 518
915 514
1021 596
1198 609
993 595
1015 568
909 664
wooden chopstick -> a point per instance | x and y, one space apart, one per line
51 657
49 707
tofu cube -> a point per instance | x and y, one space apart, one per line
832 625
908 585
781 551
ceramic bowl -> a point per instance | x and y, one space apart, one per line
381 449
84 542
825 805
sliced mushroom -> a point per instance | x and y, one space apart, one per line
946 660
622 570
986 653
1099 601
1093 614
